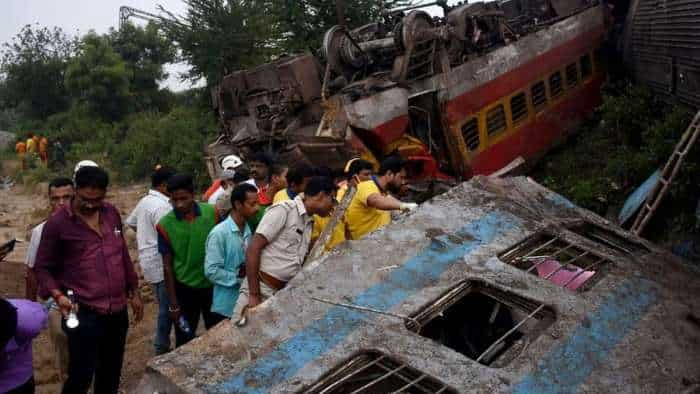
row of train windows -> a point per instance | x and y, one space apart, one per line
519 110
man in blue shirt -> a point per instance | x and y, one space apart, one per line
225 250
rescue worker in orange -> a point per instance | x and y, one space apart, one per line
21 149
44 151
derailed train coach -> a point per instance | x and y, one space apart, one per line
456 96
498 285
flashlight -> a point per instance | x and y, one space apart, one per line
72 321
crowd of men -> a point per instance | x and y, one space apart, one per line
35 147
216 259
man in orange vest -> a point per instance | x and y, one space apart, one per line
44 151
21 149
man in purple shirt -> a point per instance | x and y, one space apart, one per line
20 322
82 249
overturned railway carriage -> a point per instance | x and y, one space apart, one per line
662 47
457 96
498 285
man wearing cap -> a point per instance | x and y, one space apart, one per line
225 183
230 162
281 242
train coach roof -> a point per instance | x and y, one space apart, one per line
368 310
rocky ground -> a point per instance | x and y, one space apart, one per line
20 209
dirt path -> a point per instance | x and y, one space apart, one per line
20 210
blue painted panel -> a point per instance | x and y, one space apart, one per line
637 198
570 365
321 335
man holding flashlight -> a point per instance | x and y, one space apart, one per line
82 249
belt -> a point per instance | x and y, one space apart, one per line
101 311
271 281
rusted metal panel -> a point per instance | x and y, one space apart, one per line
663 47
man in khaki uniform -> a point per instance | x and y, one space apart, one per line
281 242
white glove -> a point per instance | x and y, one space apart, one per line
408 206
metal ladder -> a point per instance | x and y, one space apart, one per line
669 172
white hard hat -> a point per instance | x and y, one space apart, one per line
84 163
231 161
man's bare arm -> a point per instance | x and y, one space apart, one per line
169 277
252 267
382 202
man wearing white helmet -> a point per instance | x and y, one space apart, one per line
230 162
84 163
225 182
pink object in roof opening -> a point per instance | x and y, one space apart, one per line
570 277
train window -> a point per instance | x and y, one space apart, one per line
553 258
375 372
585 66
490 326
518 107
555 84
495 119
539 96
571 75
470 133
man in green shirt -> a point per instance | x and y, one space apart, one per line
182 236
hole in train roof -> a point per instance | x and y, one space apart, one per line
486 324
374 372
557 260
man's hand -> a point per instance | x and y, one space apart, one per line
136 307
174 313
65 306
254 300
408 206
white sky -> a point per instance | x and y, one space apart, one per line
80 16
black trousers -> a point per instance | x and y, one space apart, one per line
193 302
96 348
26 388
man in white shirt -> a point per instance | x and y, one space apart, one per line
60 194
227 183
143 220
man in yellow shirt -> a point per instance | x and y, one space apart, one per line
356 171
369 209
297 178
31 144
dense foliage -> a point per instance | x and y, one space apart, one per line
220 36
32 71
631 135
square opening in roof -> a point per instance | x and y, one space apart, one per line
557 260
374 372
608 238
486 324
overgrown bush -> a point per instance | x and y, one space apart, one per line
630 136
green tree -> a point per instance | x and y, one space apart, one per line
220 36
97 77
32 71
144 50
301 24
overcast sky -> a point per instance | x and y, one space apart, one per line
80 16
